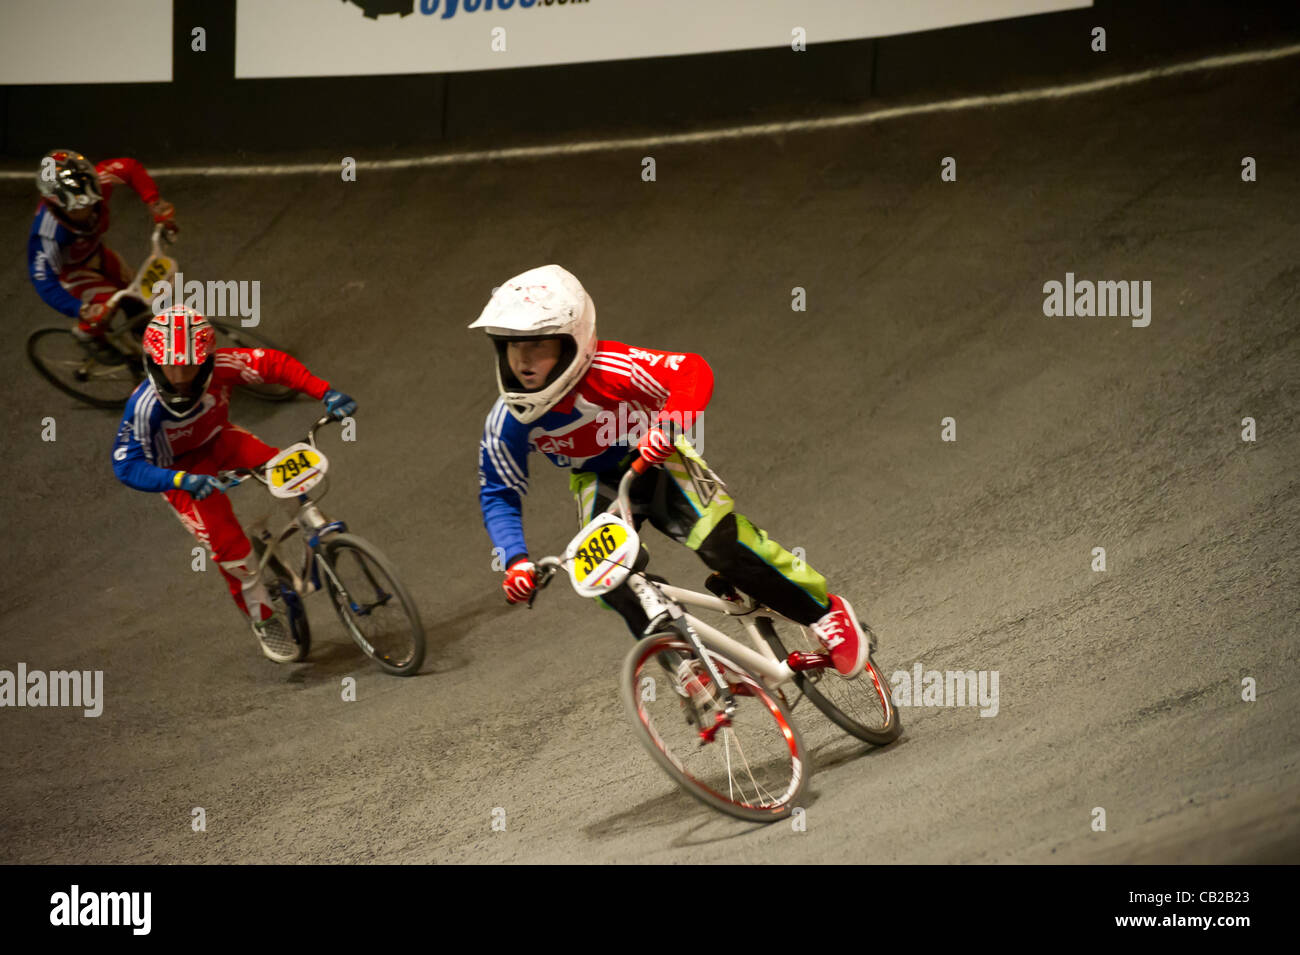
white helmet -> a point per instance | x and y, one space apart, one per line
545 302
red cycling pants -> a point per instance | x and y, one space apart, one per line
212 520
96 280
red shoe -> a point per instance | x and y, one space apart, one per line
843 639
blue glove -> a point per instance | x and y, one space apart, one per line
199 486
338 404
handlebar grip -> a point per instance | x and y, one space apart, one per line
540 579
546 568
544 571
640 465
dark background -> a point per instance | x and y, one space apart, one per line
1119 690
205 110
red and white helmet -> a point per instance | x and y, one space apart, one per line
179 336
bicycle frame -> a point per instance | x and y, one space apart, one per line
311 523
308 521
156 268
660 599
763 663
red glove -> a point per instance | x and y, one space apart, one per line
521 581
92 313
655 446
164 212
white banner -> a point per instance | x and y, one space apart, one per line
85 41
357 37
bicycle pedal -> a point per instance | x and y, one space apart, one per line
800 661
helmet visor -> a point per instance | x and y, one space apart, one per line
526 359
180 397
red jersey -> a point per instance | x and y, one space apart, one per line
150 439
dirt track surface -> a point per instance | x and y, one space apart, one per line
1119 689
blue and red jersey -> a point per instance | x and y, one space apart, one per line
53 248
150 439
593 428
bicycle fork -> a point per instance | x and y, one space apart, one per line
659 609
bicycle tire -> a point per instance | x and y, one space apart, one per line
875 692
240 337
328 555
645 653
130 372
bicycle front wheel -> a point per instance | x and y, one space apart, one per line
372 603
862 707
231 335
61 360
749 763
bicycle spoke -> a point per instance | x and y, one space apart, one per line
759 790
731 787
751 768
860 707
63 361
387 629
758 787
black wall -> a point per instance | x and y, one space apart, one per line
205 112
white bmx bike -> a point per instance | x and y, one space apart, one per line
712 711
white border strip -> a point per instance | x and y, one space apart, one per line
731 132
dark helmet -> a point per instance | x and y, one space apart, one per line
68 182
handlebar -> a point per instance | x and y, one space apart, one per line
545 572
159 232
236 476
623 501
546 568
156 238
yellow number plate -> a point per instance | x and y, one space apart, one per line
591 553
161 268
292 469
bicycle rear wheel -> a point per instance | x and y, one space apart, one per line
233 335
372 603
862 707
62 361
754 768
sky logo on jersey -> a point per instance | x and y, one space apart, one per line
553 445
670 361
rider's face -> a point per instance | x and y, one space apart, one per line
532 361
180 377
81 215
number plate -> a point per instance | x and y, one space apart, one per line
295 470
601 556
159 270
